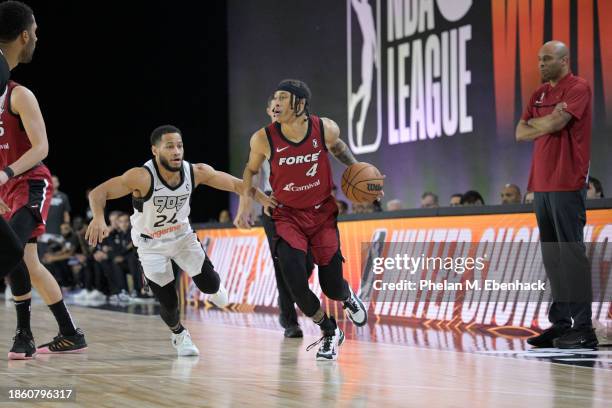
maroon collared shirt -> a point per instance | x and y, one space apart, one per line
561 160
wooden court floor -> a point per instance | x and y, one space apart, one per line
130 363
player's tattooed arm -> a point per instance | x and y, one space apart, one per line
335 145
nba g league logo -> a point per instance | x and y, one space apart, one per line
432 101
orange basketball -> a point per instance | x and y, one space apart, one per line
361 183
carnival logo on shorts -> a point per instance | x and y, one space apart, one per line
408 70
293 188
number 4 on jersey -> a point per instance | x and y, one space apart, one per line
313 170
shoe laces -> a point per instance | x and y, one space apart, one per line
327 342
351 304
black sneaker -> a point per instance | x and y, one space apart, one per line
23 346
65 344
546 338
293 332
577 339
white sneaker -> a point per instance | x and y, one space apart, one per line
80 295
95 295
124 297
329 345
184 345
355 310
220 299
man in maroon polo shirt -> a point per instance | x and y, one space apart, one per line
558 121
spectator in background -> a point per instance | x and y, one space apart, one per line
59 211
59 256
472 197
342 207
88 213
104 257
455 200
362 208
125 258
595 189
429 200
394 205
225 217
511 194
528 199
367 208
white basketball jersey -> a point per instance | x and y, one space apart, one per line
164 212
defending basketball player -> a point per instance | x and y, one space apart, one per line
26 188
11 251
161 192
297 147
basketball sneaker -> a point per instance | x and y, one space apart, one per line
65 344
184 345
328 351
23 346
220 299
355 310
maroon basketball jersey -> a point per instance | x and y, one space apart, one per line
300 173
14 141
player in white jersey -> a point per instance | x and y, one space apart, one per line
161 192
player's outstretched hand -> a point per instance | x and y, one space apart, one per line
96 232
243 220
4 208
269 203
243 217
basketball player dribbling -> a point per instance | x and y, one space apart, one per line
26 188
287 315
161 192
297 147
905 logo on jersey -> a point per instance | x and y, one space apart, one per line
170 203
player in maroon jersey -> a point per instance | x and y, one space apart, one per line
11 251
297 147
26 188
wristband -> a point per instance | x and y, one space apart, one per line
9 172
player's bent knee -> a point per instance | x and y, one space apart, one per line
208 280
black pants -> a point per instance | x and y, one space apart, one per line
561 218
114 276
288 316
130 265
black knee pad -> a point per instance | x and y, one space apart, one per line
20 280
11 249
23 222
208 281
